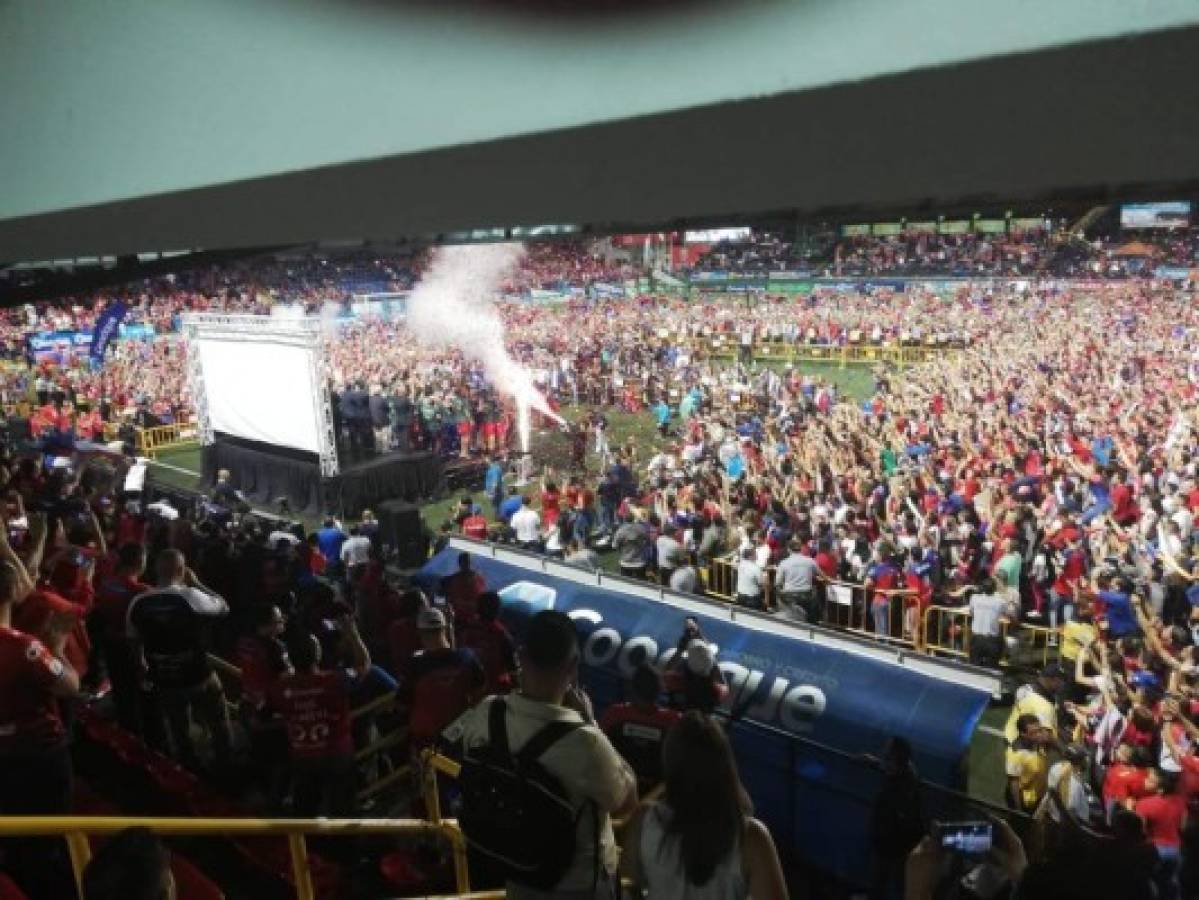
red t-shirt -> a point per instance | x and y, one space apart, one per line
262 663
493 645
316 709
475 527
437 687
462 591
1070 573
1123 782
28 711
1188 781
549 507
827 563
1163 815
33 614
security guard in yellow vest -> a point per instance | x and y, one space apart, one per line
1038 699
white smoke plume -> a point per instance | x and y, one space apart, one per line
453 307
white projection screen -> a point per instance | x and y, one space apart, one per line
261 391
257 378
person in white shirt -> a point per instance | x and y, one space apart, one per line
527 525
355 551
751 582
1067 782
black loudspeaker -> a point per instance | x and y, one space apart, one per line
401 529
19 429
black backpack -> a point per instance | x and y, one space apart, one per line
514 812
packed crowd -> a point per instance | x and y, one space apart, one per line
992 255
1047 476
137 613
1043 470
1115 254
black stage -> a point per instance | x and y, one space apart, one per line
265 473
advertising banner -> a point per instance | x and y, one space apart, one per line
991 226
959 226
1174 273
1176 214
1035 223
600 289
782 681
66 347
862 230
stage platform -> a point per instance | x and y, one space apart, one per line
266 473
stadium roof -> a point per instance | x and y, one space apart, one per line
234 123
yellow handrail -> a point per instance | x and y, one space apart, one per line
77 829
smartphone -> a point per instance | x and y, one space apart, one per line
971 838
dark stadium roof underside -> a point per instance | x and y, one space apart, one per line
1067 126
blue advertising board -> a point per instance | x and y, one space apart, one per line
64 347
783 683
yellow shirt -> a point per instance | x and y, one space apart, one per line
1030 766
1075 636
1030 702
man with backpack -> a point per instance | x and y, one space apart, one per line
540 782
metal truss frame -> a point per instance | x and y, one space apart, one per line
304 332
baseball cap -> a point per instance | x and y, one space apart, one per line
430 619
700 658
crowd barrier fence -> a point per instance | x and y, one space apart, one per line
150 441
936 630
843 354
77 831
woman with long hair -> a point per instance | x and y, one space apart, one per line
699 841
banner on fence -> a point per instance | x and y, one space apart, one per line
840 594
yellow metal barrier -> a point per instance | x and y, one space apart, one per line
1042 642
843 354
77 829
947 631
722 578
850 607
162 437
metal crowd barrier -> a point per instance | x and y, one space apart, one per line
78 829
947 631
162 437
843 354
938 630
850 607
